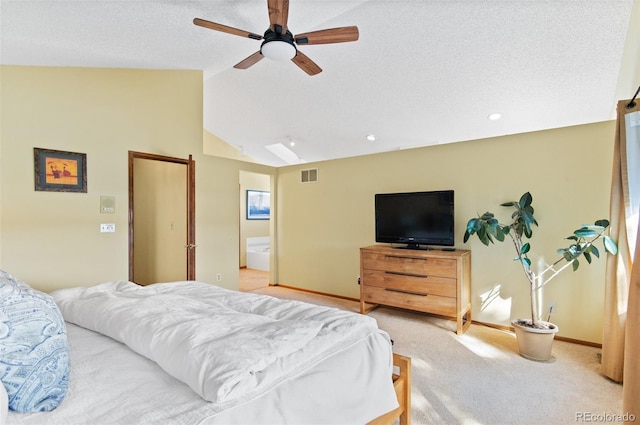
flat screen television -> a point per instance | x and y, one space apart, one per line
416 219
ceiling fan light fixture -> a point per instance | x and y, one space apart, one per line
278 50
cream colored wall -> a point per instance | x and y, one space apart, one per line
251 228
51 239
568 171
213 145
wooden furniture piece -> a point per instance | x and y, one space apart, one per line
402 386
430 281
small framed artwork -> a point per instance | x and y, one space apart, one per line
60 171
258 205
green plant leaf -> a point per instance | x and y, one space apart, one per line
610 245
528 217
528 232
594 251
525 200
594 227
585 233
587 256
486 216
602 222
525 261
485 238
471 226
492 222
575 265
525 248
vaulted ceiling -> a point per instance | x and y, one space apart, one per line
421 73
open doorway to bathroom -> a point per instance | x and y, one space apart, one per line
255 230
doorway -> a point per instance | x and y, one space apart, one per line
161 218
255 232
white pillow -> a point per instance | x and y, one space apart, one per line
4 404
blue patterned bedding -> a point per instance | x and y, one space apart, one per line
34 355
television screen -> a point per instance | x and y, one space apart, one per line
415 218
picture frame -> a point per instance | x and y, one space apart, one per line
60 171
258 205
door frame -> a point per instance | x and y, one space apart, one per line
191 208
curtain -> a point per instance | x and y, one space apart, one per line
631 376
621 336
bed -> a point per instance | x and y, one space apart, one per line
147 355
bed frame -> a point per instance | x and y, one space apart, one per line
402 386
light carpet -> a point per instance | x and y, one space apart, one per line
479 377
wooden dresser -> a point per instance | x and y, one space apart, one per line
433 281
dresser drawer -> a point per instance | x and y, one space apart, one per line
435 304
433 285
409 264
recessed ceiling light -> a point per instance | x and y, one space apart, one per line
495 116
371 137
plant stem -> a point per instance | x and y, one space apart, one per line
517 243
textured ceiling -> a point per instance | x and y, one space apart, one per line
423 71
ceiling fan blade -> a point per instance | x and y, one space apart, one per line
306 64
251 60
278 15
331 35
224 28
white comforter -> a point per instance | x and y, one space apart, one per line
229 347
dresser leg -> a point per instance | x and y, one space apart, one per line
364 308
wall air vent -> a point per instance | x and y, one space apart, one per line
309 176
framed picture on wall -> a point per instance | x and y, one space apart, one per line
258 205
60 171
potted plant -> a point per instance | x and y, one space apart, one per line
488 229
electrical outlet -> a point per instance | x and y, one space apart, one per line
219 277
107 227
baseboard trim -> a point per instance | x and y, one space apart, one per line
559 338
490 325
310 291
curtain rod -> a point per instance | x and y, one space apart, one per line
632 104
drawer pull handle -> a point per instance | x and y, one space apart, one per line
406 292
405 258
408 274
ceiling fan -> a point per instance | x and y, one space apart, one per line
279 43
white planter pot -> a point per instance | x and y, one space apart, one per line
533 343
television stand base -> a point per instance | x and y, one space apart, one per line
415 246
